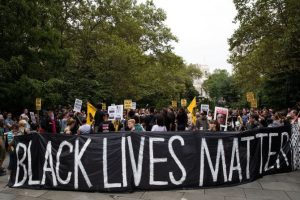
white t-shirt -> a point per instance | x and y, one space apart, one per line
158 128
85 129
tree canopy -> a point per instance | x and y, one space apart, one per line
265 50
100 50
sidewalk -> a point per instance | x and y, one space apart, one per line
273 187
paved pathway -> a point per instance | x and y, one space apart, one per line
273 187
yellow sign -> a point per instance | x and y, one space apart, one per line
250 96
104 106
254 103
183 102
127 104
174 104
38 104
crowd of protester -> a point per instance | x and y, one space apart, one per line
66 121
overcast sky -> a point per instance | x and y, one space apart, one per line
202 27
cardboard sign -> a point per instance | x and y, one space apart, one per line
204 107
38 103
127 104
77 105
221 115
183 102
174 104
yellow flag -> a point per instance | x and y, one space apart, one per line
192 105
191 110
90 114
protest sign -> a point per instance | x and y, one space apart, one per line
77 105
250 96
119 112
204 108
183 102
221 115
104 107
127 104
111 112
38 103
174 104
133 105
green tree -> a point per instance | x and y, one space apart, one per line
92 50
265 49
221 86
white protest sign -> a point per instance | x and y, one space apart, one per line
119 112
111 112
133 105
32 117
77 105
204 107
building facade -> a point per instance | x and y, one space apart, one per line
198 82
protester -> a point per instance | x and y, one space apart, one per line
137 126
99 117
2 146
130 124
214 126
106 126
294 117
22 127
276 121
8 121
182 120
150 120
201 122
253 122
70 125
160 125
10 136
85 128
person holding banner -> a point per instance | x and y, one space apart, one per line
99 117
85 128
160 126
70 125
106 126
253 122
182 120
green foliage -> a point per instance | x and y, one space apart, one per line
95 51
221 87
265 49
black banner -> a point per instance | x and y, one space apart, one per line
128 161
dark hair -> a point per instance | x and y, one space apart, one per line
137 119
160 120
255 116
99 106
151 109
83 120
131 113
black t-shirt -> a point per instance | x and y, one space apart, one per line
149 122
106 127
99 117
